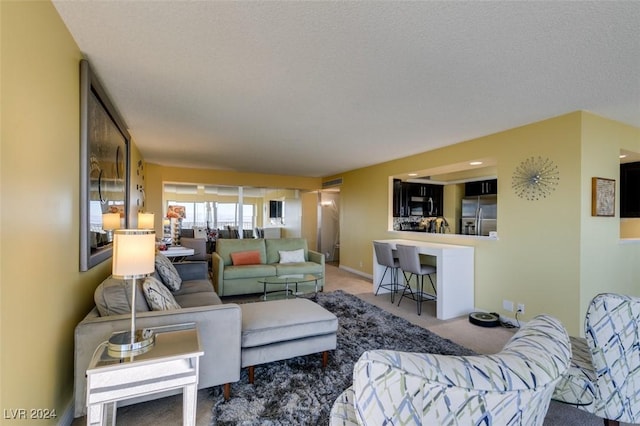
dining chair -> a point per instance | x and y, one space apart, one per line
199 246
409 260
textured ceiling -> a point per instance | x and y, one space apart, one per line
317 88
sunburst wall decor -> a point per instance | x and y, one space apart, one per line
535 178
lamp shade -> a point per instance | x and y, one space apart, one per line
133 253
110 221
145 220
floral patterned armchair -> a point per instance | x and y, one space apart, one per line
604 376
512 387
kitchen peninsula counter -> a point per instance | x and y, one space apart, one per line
454 277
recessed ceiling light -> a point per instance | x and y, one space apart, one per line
623 155
475 163
413 174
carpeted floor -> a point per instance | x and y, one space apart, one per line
168 411
299 392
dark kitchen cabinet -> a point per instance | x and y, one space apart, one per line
481 187
400 199
417 199
630 190
419 189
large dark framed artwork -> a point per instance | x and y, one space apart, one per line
104 169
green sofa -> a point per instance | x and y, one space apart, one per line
230 279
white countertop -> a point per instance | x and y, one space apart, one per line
629 240
427 246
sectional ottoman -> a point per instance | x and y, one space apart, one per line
283 329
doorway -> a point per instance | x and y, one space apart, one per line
329 225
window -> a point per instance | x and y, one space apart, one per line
216 215
227 215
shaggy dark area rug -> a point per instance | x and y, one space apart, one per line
299 391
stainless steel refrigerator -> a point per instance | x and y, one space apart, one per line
479 215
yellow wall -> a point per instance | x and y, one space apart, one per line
630 227
551 254
310 218
542 254
607 264
42 293
452 200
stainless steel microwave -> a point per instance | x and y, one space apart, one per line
421 206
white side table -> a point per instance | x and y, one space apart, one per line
178 253
172 363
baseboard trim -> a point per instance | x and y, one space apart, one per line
508 320
512 321
355 271
67 416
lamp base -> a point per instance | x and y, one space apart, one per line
120 345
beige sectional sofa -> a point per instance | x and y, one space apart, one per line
233 278
219 326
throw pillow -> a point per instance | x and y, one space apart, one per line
168 273
293 256
158 297
250 257
113 297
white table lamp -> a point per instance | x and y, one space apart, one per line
110 221
133 258
145 220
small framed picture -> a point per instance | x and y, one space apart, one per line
603 197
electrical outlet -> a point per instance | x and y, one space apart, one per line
521 308
507 305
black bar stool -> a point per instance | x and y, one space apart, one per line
409 259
